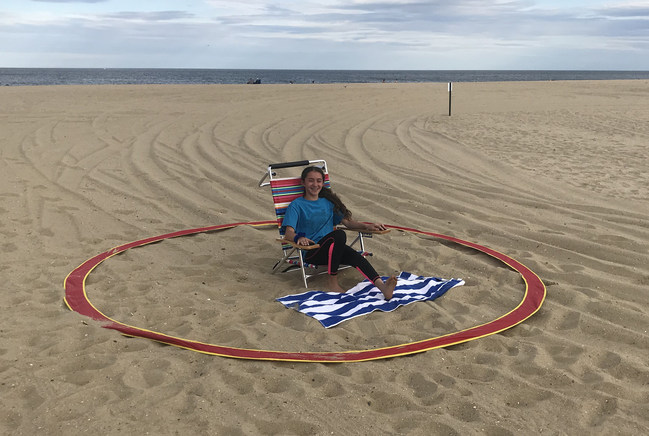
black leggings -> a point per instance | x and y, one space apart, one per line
334 251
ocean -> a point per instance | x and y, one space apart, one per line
124 76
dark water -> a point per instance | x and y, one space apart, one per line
118 76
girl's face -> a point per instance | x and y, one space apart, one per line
313 184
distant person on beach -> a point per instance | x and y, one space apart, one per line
310 219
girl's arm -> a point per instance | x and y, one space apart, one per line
353 224
289 234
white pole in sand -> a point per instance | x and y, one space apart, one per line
450 91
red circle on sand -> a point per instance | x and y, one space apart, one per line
77 300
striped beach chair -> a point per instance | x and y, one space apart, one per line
286 187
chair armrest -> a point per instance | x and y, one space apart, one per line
299 247
374 232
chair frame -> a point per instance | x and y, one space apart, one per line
293 254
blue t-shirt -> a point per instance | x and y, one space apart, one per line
315 219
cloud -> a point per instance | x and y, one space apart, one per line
148 16
634 11
335 33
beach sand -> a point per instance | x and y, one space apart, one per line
553 174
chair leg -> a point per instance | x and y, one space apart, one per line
281 262
360 240
304 277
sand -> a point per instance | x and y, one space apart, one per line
553 174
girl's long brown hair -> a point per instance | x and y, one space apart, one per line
339 206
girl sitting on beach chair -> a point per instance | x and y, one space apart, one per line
310 219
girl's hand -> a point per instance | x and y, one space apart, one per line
375 226
304 241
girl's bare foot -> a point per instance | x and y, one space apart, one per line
333 286
387 287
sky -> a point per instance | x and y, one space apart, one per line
327 34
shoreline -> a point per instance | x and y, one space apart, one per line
326 84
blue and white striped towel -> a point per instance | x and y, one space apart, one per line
332 308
